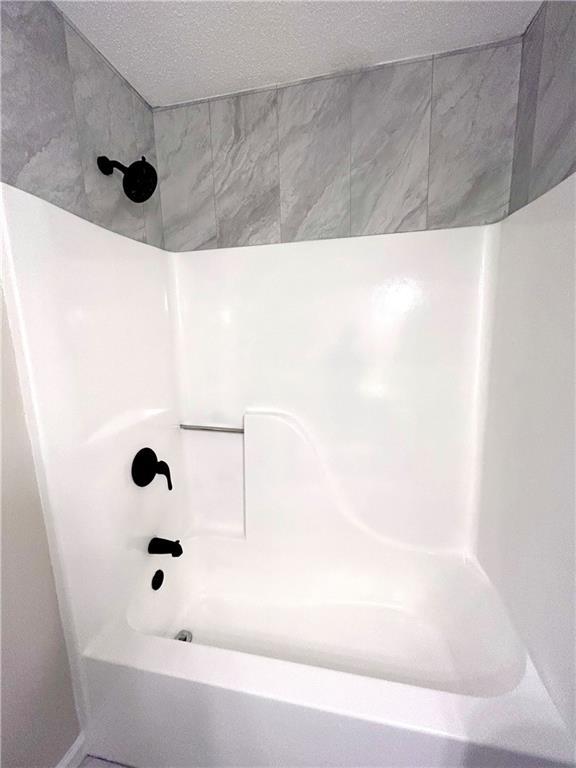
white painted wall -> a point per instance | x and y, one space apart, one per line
39 722
526 538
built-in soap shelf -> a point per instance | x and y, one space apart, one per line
210 428
214 466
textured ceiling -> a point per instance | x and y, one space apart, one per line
174 51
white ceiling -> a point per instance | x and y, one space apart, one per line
173 51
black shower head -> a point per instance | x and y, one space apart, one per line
140 178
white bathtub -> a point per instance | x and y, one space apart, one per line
311 584
358 628
217 707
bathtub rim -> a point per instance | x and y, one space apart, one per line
524 720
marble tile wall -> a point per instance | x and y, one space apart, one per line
474 100
390 132
406 146
184 151
314 157
546 136
526 114
151 210
40 147
62 106
451 140
245 168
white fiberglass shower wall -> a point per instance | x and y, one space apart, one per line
354 367
371 519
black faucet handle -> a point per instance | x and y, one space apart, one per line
163 469
145 467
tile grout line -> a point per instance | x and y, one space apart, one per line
544 10
278 162
142 211
517 123
91 761
350 100
160 174
541 10
430 143
533 19
76 121
216 220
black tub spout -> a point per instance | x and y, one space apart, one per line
159 546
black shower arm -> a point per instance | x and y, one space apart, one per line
107 166
116 164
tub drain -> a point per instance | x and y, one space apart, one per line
184 635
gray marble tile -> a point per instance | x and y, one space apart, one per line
245 158
106 126
186 181
526 115
554 151
314 126
390 141
474 103
146 146
40 151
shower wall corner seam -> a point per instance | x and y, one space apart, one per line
481 387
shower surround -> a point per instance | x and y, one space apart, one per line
452 140
372 560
